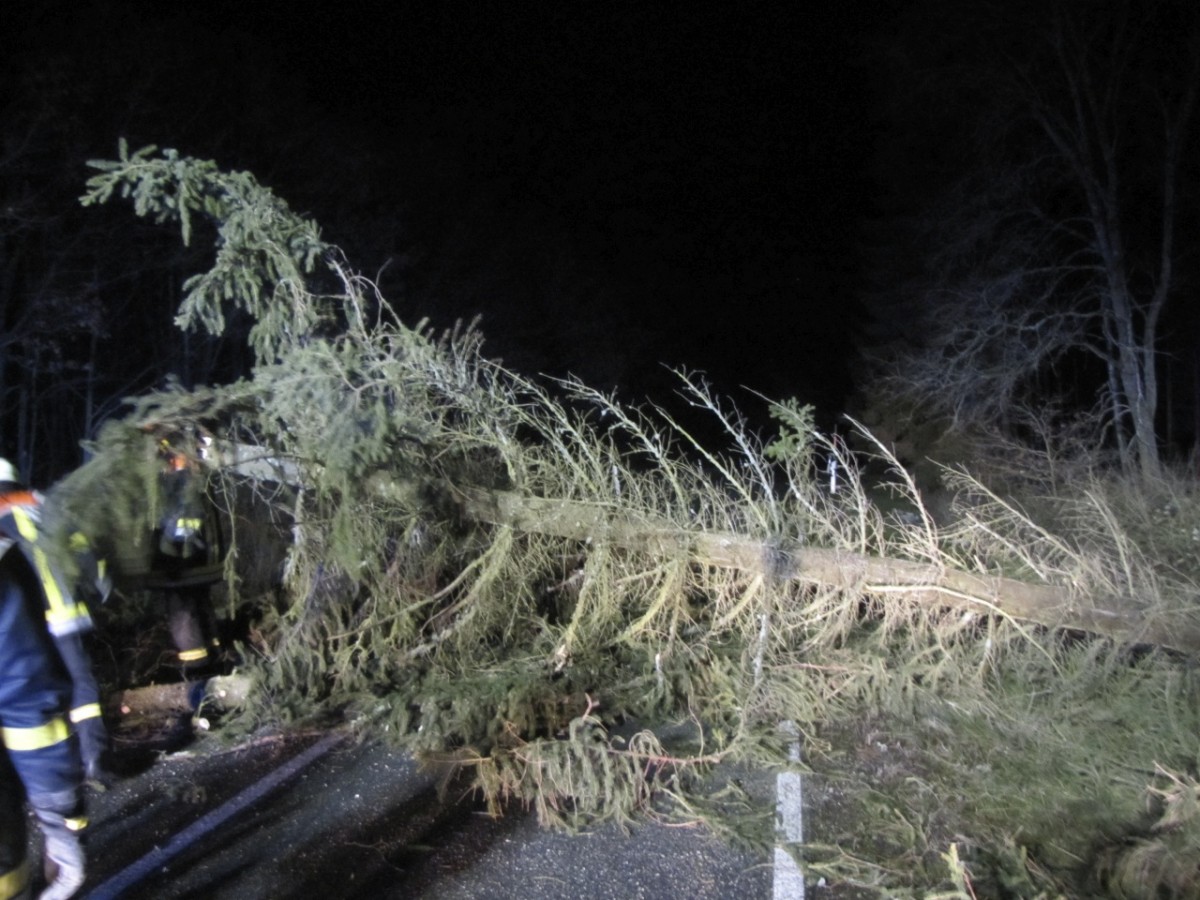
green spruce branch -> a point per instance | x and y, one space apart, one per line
265 252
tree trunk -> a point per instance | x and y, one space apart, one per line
166 699
1051 606
1047 605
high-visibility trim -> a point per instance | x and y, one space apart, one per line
63 614
87 711
25 523
78 823
37 738
193 655
14 882
59 607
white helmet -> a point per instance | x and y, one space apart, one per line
7 472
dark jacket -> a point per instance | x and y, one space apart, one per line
20 513
66 616
34 691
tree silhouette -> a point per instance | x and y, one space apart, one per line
1054 231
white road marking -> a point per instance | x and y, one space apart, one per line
789 819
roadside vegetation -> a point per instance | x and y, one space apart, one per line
538 585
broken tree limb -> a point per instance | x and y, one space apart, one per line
164 699
1042 604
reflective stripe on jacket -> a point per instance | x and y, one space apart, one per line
19 514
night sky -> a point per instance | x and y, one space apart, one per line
612 187
687 186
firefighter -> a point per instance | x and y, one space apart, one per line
40 762
66 613
187 561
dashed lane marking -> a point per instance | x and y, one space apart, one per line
789 821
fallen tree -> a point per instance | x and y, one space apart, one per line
503 574
1051 606
1054 606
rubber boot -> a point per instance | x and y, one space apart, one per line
63 863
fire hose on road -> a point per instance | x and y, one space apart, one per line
156 859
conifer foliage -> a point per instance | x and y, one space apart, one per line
532 582
265 253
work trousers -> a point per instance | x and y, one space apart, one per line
193 628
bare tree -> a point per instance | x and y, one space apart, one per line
1062 235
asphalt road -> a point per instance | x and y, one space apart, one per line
361 821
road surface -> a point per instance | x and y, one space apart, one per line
359 820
